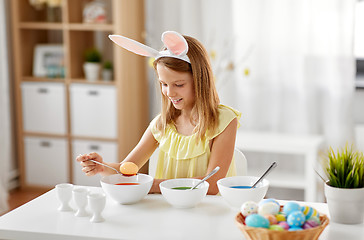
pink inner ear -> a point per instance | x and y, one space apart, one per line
131 45
174 43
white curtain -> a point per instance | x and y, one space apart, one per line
288 66
302 67
5 126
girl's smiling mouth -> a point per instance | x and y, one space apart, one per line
175 101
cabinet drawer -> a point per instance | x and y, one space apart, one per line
108 151
44 107
46 161
93 111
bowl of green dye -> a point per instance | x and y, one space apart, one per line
177 192
237 190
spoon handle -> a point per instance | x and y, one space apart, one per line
272 166
105 165
207 177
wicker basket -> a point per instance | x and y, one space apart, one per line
252 233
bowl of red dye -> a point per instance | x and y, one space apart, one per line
237 190
126 189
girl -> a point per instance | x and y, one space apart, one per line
194 132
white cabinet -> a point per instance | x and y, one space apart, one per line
93 111
46 161
108 150
44 107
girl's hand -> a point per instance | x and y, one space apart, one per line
88 167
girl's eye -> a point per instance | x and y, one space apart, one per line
179 85
164 85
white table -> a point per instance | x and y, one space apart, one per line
152 218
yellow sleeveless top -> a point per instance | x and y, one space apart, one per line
182 156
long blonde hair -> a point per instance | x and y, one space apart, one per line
207 99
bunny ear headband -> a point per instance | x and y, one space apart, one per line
175 43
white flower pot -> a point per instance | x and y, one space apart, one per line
346 205
92 71
107 75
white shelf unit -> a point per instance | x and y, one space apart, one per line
307 146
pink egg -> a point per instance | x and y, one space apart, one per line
310 224
316 219
284 225
271 218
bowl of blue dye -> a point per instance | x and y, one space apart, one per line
237 190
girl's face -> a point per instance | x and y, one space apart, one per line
177 87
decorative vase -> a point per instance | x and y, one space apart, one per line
92 71
346 205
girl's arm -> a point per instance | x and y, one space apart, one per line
139 155
222 152
143 150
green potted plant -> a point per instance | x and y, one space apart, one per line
344 189
92 64
107 71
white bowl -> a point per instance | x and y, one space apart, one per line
235 197
126 194
183 198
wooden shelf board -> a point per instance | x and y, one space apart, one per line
70 26
40 134
41 25
84 81
89 27
42 79
94 138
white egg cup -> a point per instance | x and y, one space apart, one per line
64 194
80 198
97 203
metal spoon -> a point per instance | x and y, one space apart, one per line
207 177
272 166
106 166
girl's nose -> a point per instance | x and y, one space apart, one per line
170 92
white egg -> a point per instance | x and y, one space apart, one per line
249 208
268 208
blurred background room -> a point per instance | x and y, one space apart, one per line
295 69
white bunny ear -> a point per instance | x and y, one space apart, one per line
175 43
134 46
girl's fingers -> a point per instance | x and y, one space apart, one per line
88 170
81 157
87 164
95 156
88 167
